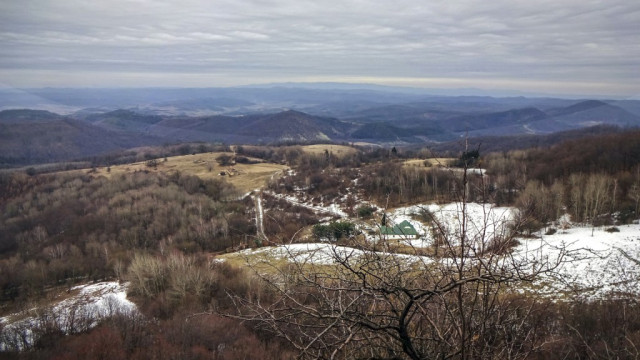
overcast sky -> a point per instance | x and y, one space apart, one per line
557 46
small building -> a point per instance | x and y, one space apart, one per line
404 230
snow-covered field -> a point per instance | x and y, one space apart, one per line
481 221
594 262
76 313
318 254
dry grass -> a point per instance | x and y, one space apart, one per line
266 263
398 247
245 177
432 161
335 150
258 260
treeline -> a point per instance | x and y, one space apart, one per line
616 154
611 154
74 227
377 174
595 180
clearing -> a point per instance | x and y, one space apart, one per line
245 177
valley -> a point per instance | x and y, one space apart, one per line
104 123
217 227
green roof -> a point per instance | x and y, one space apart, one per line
402 229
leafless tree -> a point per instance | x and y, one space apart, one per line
634 194
372 303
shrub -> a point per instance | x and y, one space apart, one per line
365 211
321 232
225 160
245 160
147 275
334 231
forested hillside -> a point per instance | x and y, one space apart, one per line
208 266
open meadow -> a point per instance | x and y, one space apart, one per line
245 177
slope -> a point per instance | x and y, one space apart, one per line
294 126
51 139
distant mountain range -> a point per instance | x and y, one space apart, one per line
275 115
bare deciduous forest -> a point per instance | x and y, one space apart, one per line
460 298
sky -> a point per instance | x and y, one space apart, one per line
557 46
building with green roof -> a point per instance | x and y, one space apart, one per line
404 230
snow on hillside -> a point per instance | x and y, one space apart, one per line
79 312
482 220
596 263
319 253
593 265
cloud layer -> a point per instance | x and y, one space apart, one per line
573 46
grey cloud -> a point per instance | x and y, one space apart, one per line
499 41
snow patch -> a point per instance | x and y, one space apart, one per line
597 263
325 254
77 313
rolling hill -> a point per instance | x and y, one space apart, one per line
31 137
256 128
295 126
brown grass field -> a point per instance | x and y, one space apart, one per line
245 177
